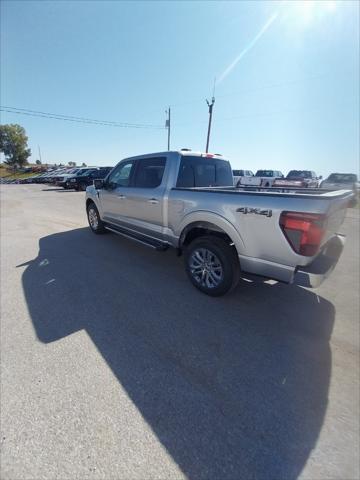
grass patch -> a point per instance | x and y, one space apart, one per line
10 175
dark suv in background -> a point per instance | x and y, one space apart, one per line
84 179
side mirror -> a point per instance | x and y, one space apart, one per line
99 183
320 178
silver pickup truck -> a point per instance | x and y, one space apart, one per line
186 200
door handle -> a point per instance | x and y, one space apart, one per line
121 196
153 201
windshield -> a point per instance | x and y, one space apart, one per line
299 174
342 178
82 173
264 173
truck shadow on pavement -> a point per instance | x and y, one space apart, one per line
233 387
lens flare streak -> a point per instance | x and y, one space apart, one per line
257 37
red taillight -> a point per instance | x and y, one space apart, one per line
303 231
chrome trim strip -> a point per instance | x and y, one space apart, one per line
135 231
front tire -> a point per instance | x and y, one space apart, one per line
95 223
212 265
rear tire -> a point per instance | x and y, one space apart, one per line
95 223
212 265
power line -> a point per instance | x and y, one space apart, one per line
70 118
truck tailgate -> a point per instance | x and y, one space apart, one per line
336 213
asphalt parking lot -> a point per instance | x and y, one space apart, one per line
114 367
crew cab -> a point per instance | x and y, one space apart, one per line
187 200
299 178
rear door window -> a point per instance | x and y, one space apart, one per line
149 172
204 172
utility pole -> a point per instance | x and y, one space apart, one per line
211 106
39 153
168 126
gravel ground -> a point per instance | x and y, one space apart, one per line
114 367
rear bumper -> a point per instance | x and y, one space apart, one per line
314 274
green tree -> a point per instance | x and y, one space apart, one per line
13 144
72 164
84 164
38 162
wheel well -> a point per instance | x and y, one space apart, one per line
199 230
88 201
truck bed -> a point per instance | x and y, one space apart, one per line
277 191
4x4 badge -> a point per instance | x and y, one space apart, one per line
257 211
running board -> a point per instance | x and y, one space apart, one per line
137 237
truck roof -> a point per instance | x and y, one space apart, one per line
185 152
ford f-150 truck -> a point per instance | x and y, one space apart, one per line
187 200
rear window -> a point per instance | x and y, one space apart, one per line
204 172
238 173
343 178
264 173
299 174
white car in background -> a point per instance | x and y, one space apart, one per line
239 174
262 178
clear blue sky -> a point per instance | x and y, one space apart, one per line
288 79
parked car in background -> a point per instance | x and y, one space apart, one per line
50 177
238 174
262 178
84 179
343 181
64 180
60 180
299 178
40 178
